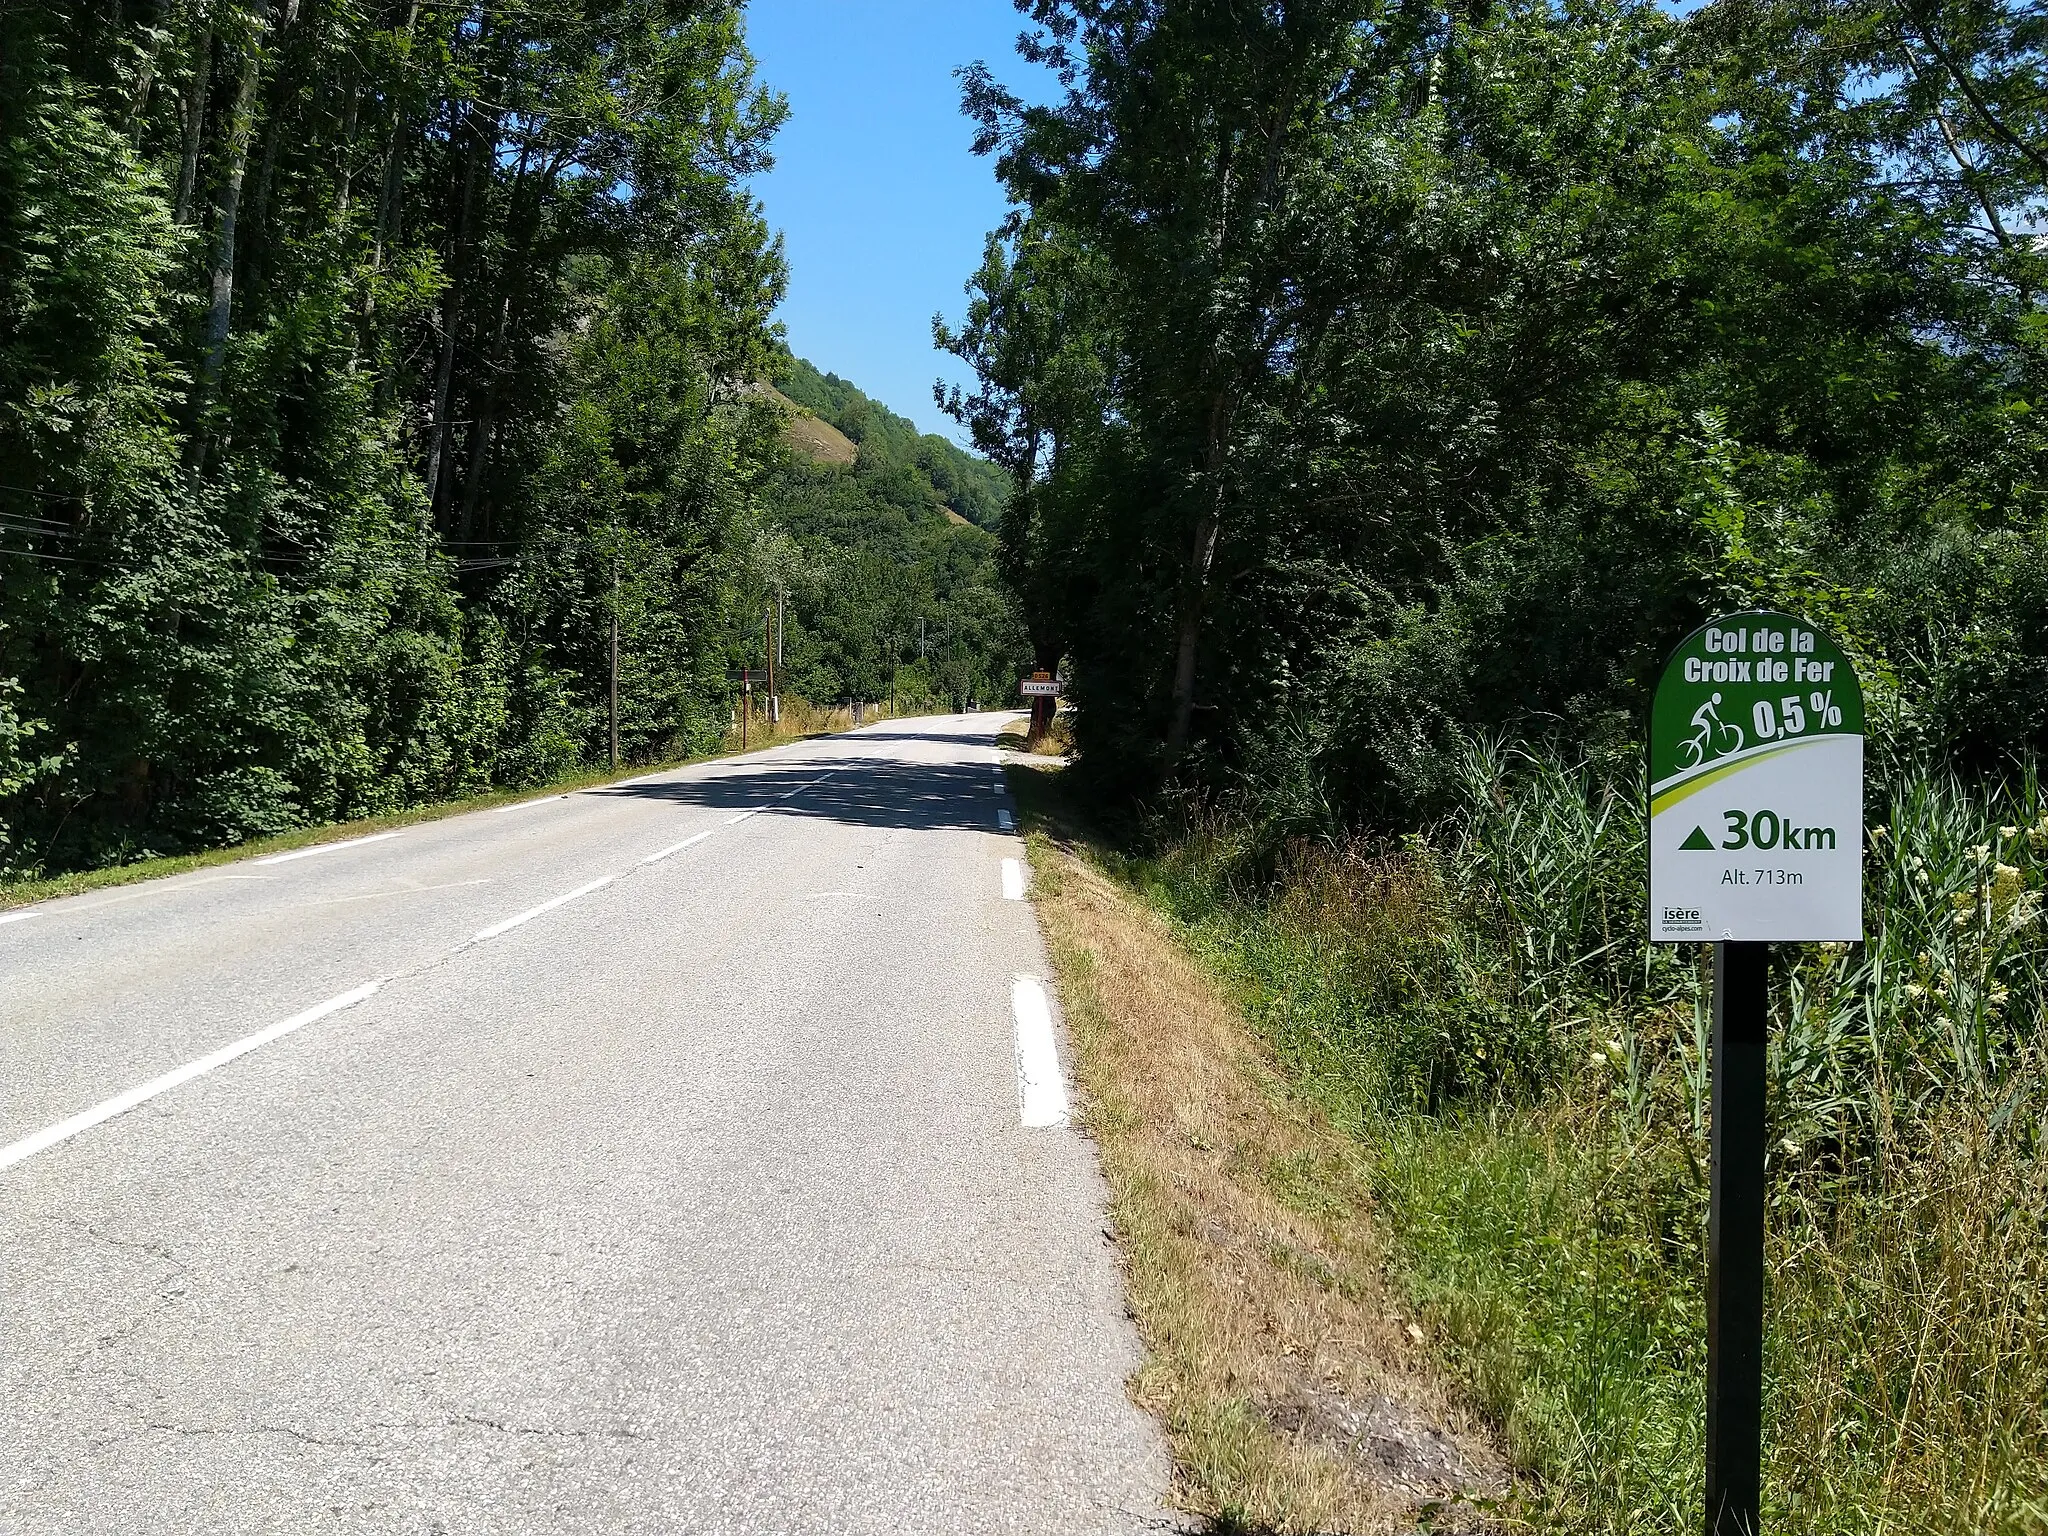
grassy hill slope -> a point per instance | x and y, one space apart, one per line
972 488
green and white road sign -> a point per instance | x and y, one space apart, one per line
1756 786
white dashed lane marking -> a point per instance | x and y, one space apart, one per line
526 805
120 1104
1041 1095
658 855
547 906
319 848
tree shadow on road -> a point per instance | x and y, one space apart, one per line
860 791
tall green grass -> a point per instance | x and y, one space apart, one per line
1482 1005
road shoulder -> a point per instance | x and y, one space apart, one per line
1289 1380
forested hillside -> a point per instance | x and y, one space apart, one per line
886 594
359 364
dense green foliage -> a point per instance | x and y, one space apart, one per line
1380 371
360 366
347 353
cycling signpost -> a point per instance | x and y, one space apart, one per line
1756 837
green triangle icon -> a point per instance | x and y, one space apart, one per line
1698 841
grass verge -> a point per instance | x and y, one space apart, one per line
1296 1392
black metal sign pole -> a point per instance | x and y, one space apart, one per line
1735 1244
1745 837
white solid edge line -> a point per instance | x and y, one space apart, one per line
526 805
657 857
1003 823
547 906
1041 1094
1013 880
320 848
120 1104
18 917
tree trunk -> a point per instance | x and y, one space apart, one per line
392 175
484 433
1200 559
451 314
354 96
388 211
194 110
259 207
481 437
220 310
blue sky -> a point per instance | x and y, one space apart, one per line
881 204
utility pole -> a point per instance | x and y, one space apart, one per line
768 647
615 664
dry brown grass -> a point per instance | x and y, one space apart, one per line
1058 740
810 434
1295 1392
800 718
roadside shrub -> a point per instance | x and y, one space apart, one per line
1482 1004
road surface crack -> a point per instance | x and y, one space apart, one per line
206 1430
478 1421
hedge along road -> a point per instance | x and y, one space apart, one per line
646 1159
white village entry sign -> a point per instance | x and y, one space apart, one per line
1756 786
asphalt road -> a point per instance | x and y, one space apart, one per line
702 1201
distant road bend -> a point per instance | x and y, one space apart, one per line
687 1155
